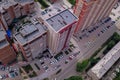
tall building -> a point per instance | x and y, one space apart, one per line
11 9
92 11
61 27
31 39
7 53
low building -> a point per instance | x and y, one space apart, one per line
115 15
31 39
7 54
100 69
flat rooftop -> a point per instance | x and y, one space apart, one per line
22 2
61 20
7 3
29 32
3 41
107 61
115 13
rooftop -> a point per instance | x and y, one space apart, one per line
61 19
107 61
29 32
22 2
115 13
7 3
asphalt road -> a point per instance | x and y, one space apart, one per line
85 53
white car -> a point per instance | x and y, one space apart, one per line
72 56
0 77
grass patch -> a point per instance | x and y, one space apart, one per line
74 78
27 68
33 75
25 77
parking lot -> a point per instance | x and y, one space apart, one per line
95 35
8 73
47 66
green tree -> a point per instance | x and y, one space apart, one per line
94 61
74 78
45 79
43 3
117 77
110 44
72 2
116 38
82 66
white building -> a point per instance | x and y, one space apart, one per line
99 70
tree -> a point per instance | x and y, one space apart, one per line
116 38
110 44
82 66
74 78
45 79
94 61
72 2
117 76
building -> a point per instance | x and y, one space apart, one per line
11 9
115 15
99 70
7 54
31 39
61 25
92 11
27 6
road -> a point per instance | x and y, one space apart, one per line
85 52
64 74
